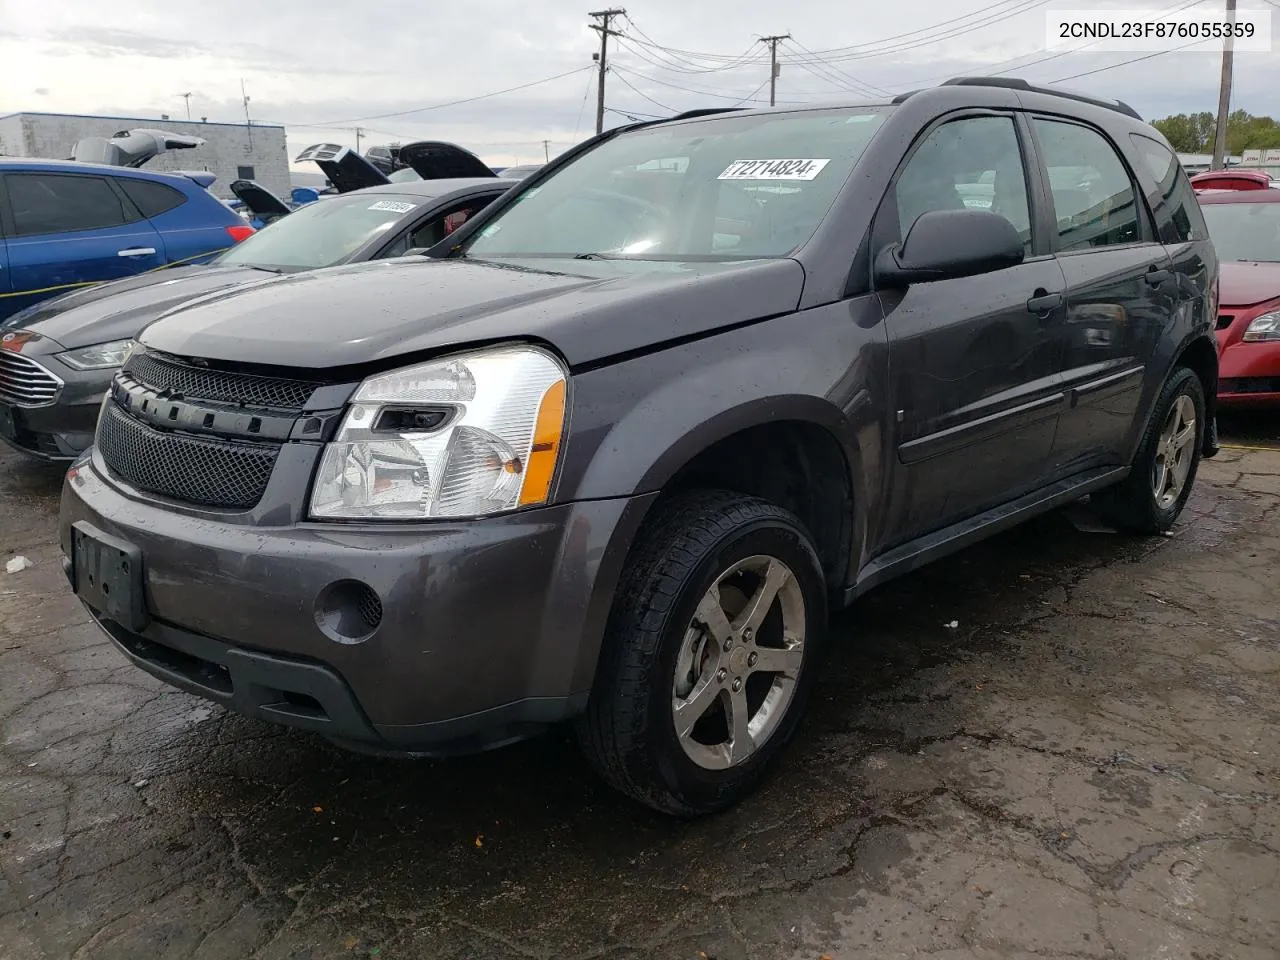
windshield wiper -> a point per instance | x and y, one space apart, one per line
595 256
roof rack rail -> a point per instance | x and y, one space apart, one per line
1017 83
903 96
703 112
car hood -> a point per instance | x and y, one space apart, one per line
117 310
373 312
1244 283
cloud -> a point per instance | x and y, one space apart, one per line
308 62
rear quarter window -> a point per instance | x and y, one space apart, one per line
151 199
1172 200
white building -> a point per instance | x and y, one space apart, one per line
232 151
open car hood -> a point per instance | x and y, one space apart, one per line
131 148
429 159
343 167
260 200
435 160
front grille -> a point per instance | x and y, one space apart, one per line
24 383
197 383
215 473
1225 320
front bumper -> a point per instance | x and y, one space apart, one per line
1248 372
63 429
489 628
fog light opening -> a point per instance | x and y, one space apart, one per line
348 611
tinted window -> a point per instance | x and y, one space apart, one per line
658 193
323 233
61 203
437 228
244 173
974 163
1093 197
1174 199
151 198
1245 231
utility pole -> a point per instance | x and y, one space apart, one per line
1224 95
604 18
546 150
359 134
247 121
187 97
773 64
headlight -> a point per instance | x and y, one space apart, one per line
467 435
1265 327
98 357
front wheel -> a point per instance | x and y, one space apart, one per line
1151 497
708 658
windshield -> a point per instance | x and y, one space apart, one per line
322 233
729 187
1244 231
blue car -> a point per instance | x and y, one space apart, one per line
67 224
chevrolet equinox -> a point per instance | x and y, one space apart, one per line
613 451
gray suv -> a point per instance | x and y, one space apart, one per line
614 451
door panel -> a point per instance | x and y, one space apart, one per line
1120 292
70 230
976 390
1119 301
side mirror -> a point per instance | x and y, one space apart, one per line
944 244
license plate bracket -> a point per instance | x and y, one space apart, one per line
107 573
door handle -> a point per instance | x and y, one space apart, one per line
1043 303
1157 276
136 252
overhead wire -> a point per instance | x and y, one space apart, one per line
832 75
631 86
1125 63
450 103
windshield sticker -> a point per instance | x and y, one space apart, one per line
393 206
773 170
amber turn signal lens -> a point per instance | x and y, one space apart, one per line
546 447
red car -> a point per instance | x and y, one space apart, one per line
1232 180
1245 228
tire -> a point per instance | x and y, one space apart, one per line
1134 504
663 635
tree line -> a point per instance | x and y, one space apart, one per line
1195 132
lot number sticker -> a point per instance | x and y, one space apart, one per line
394 206
773 169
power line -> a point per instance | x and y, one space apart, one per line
681 64
701 93
1125 63
633 87
334 124
988 11
577 125
868 53
832 75
1011 65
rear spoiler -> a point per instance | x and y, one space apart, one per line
131 148
202 178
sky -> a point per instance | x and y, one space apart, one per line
323 67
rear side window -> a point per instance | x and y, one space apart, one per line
1093 197
62 203
151 198
1173 199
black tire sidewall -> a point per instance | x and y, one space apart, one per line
696 786
1183 383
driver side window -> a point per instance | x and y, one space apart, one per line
430 232
973 163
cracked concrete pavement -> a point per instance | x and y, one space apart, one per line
1085 765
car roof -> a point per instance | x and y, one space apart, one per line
15 164
1269 195
437 188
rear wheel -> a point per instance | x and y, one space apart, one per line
1151 497
708 658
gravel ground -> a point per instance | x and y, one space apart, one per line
1058 743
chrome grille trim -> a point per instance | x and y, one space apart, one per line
25 383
